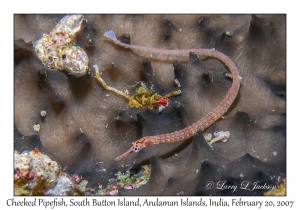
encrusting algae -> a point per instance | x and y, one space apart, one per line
126 181
280 190
57 49
36 174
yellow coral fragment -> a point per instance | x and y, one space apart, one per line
279 191
143 98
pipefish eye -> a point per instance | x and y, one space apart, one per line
136 149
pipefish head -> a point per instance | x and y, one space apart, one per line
136 146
